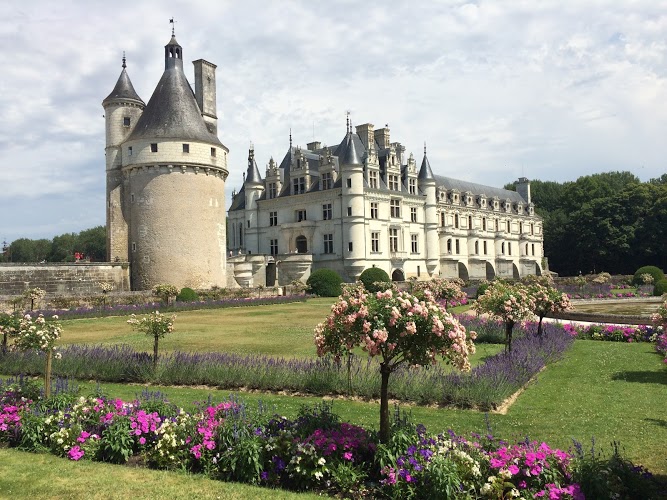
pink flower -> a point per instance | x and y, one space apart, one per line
75 453
514 470
347 456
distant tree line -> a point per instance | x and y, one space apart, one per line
91 243
609 222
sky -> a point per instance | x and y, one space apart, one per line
549 90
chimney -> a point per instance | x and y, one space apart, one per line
382 137
523 188
205 93
312 146
365 133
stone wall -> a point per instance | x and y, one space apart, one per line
63 278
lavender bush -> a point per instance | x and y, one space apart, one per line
486 386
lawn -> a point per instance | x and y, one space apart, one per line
602 390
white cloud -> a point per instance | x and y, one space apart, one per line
551 90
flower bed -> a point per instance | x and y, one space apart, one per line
613 333
315 451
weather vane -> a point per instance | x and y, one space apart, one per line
173 26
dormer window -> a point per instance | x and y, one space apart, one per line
393 182
373 179
327 180
299 185
412 186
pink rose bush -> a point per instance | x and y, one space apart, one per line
397 327
659 319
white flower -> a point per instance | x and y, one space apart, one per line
321 461
318 475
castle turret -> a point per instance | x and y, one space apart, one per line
175 170
352 177
427 184
122 109
254 188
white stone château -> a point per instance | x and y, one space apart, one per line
166 172
363 203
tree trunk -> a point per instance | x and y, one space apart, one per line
509 326
4 342
539 326
384 403
155 344
349 374
47 375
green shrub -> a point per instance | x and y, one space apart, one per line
656 272
481 289
325 283
187 295
660 287
374 275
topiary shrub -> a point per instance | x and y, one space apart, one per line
187 295
374 275
325 283
656 272
660 287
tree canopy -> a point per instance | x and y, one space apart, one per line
603 222
91 243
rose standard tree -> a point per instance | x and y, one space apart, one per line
154 325
508 302
40 335
397 327
547 300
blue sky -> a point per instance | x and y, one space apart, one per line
551 90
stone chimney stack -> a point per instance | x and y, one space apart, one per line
365 133
382 137
523 188
205 93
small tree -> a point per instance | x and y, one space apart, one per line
165 292
397 327
9 326
447 290
508 302
34 294
547 299
155 325
105 287
40 335
298 287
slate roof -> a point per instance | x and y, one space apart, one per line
252 175
172 111
477 189
425 172
124 90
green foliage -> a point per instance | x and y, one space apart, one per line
116 443
373 276
654 271
91 242
325 283
187 295
660 288
482 288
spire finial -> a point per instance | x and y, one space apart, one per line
290 137
347 125
173 26
124 65
424 148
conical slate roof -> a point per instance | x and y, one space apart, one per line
124 90
172 112
253 175
348 151
425 172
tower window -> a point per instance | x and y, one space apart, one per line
349 246
328 243
129 151
349 211
186 148
213 152
349 183
154 147
134 246
126 121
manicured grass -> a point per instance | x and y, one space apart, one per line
278 330
30 475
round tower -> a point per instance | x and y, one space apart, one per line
122 109
175 170
254 188
354 221
427 184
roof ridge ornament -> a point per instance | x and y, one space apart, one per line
173 26
124 64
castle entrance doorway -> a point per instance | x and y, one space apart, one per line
271 274
301 244
398 275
